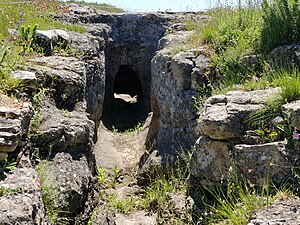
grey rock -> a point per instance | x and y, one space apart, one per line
172 39
291 112
136 218
101 216
23 202
224 115
175 81
67 182
288 55
14 121
257 162
284 211
210 162
181 67
23 75
84 43
87 45
76 83
63 131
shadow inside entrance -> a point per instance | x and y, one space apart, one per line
125 108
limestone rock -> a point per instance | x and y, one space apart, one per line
283 211
67 182
257 162
224 115
285 55
136 218
76 83
84 43
291 111
181 67
22 204
14 121
175 81
210 162
63 131
171 40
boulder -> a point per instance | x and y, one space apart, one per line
291 112
286 55
224 116
175 84
210 162
63 131
77 84
66 184
21 201
84 43
261 162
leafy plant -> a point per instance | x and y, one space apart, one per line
102 175
27 38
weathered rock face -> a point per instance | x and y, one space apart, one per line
67 182
14 121
175 81
22 201
222 125
285 55
224 115
283 211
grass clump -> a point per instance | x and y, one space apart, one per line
237 202
48 188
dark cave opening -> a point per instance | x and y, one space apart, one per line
124 107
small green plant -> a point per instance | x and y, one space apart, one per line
126 205
5 167
7 191
102 175
48 190
135 130
37 118
27 38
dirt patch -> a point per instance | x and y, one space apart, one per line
9 102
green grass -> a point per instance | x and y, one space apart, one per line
48 188
238 201
13 49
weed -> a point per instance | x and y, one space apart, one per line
6 191
135 130
48 190
5 167
236 203
123 205
37 118
102 175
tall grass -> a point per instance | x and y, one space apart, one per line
281 23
